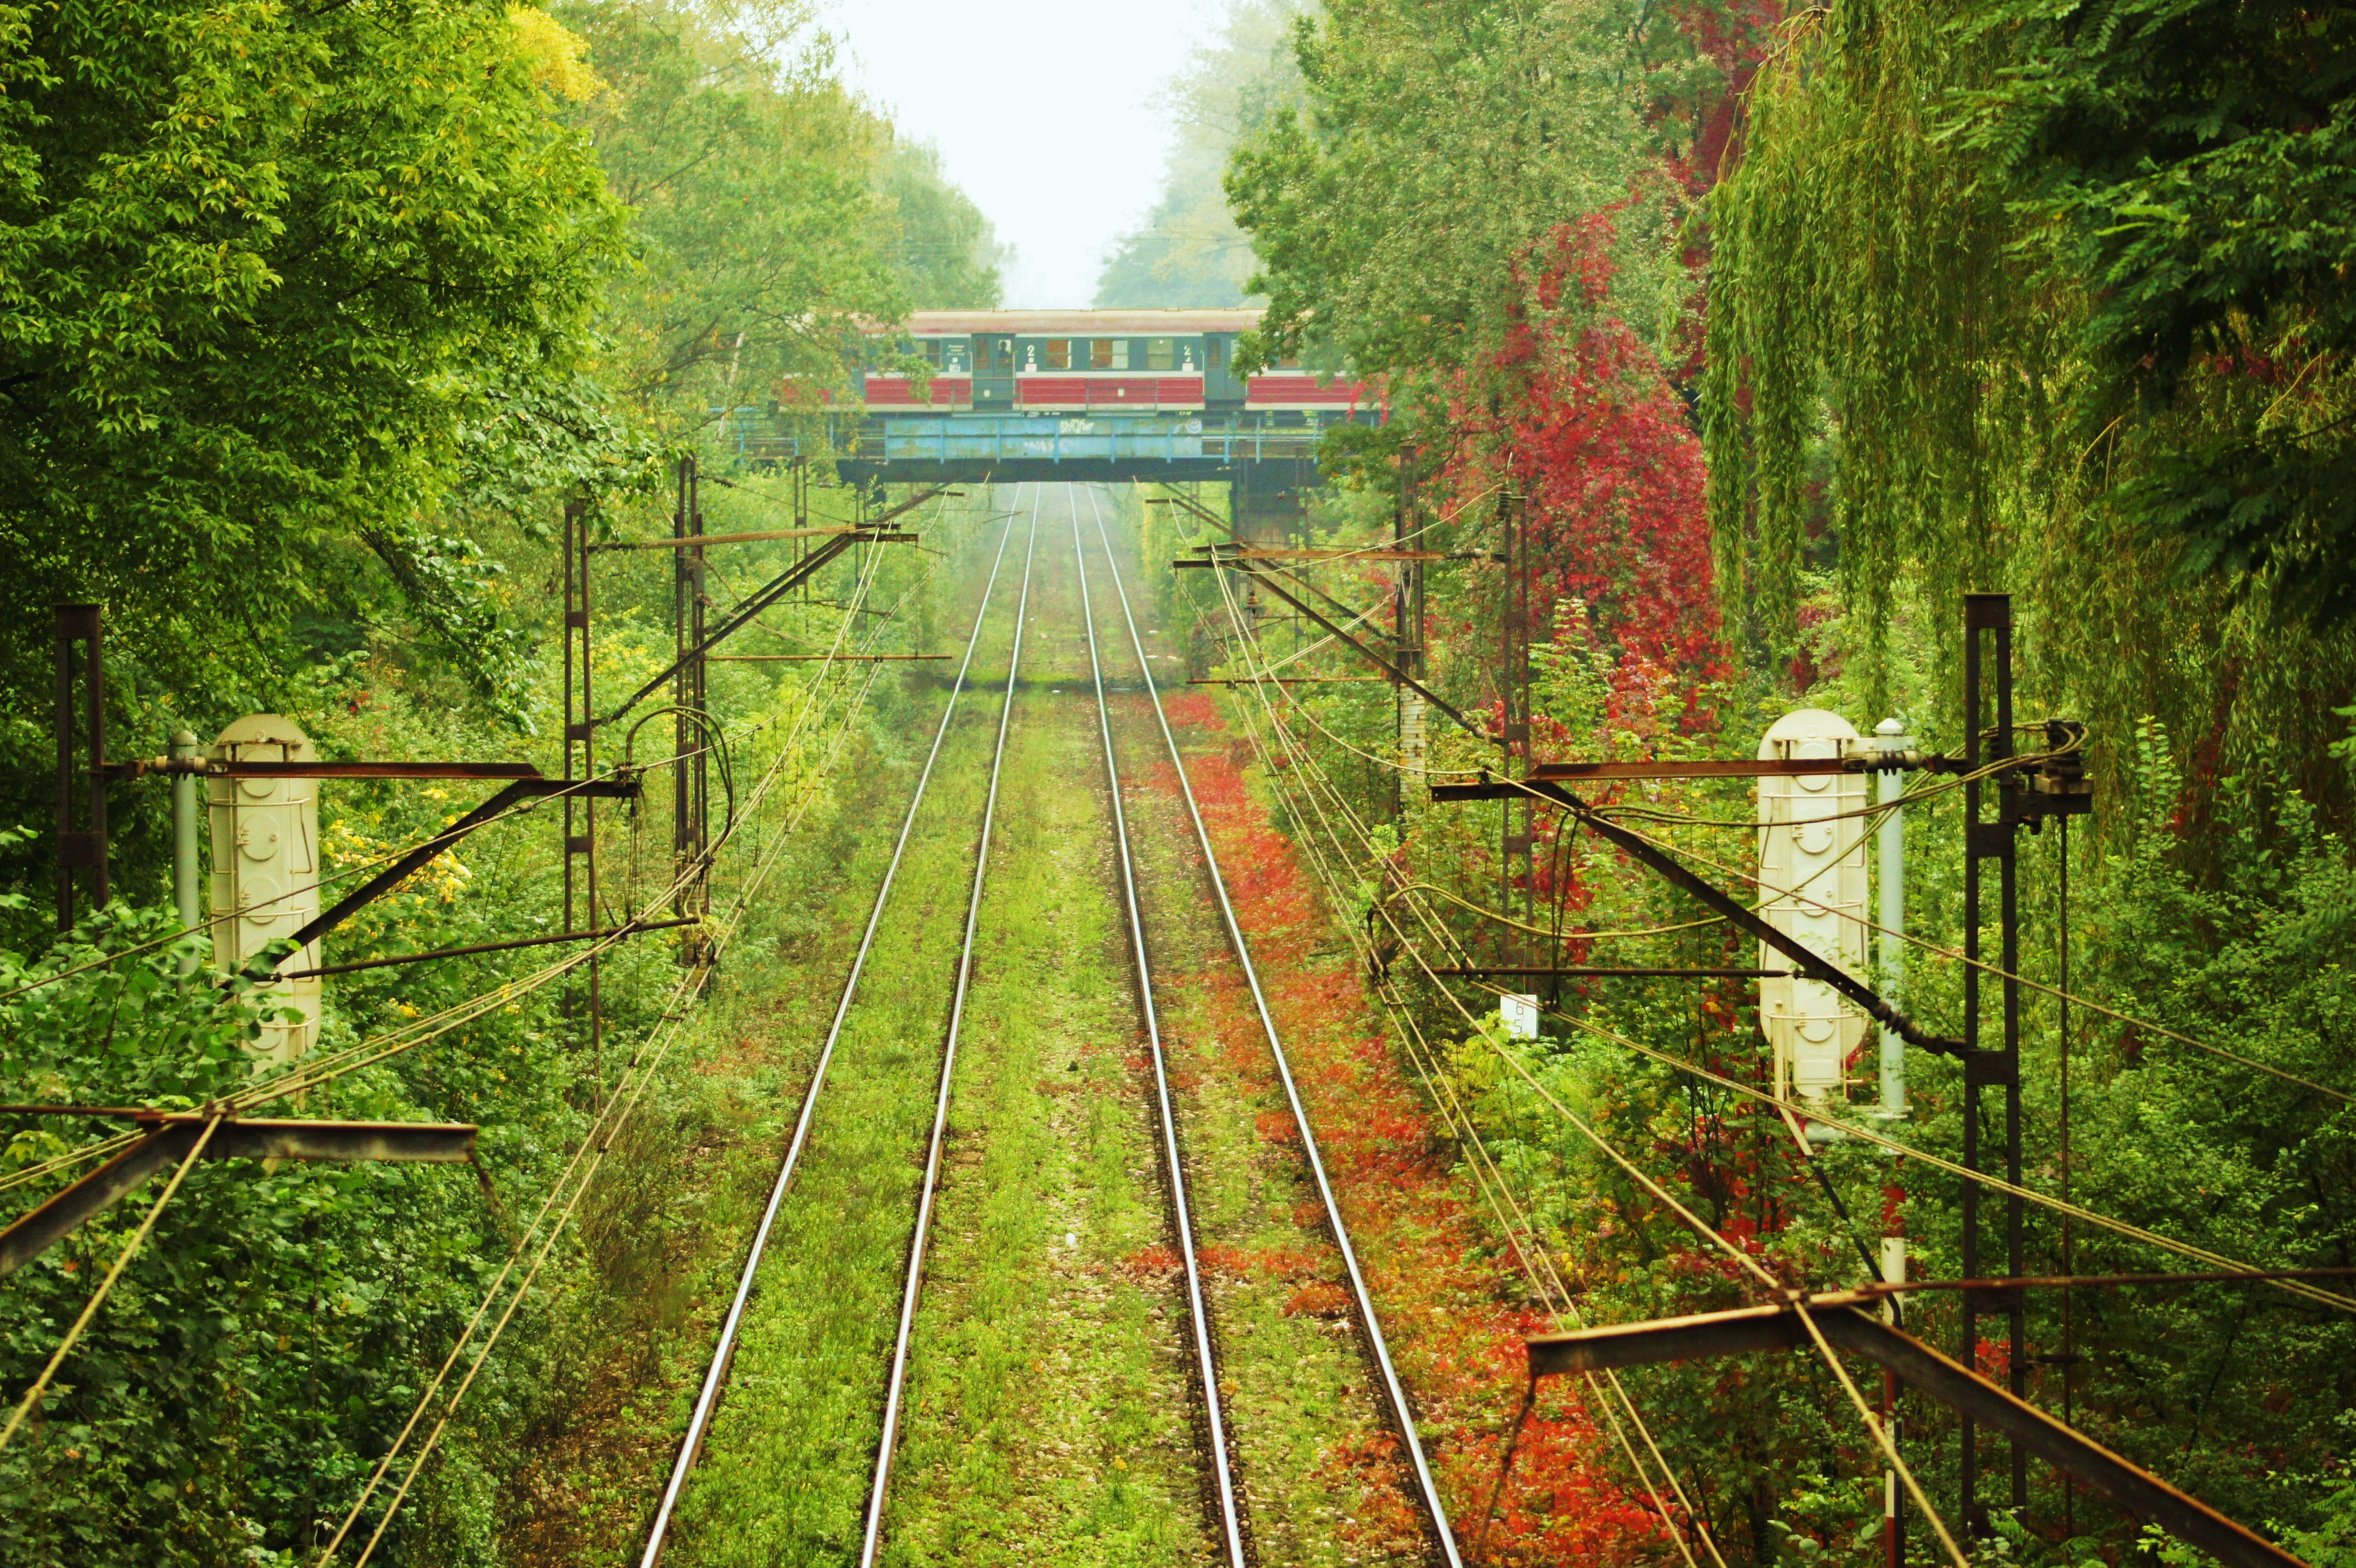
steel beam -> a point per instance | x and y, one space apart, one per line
1606 972
1275 553
630 929
401 870
1741 916
1837 1315
172 1136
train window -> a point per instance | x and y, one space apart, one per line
1215 352
932 346
1108 354
1059 354
1161 353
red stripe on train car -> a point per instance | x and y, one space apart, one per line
898 392
1052 392
1304 390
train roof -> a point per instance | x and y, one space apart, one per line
1083 323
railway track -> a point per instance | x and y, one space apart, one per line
1222 1489
1226 1525
1401 1413
723 1350
871 1539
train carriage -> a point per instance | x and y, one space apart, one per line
1082 362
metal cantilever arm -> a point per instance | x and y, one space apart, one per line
401 870
770 592
1263 576
443 1143
1808 962
1844 1320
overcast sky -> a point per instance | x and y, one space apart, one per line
1042 111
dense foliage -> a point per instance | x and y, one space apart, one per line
311 321
1992 298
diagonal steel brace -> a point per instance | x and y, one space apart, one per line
170 1137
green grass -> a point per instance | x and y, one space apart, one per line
1051 1401
784 1474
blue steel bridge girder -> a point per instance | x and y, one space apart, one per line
1269 463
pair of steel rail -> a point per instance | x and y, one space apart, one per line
1222 1492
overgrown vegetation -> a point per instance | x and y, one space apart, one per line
311 322
1771 332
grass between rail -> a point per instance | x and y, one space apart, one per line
1050 1398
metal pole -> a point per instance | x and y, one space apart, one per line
2008 913
186 897
93 696
589 821
573 617
684 731
697 598
1967 1432
65 728
85 846
1890 842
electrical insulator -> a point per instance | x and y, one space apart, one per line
265 869
1812 845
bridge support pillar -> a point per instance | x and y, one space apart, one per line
1271 499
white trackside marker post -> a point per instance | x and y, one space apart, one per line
265 870
1812 844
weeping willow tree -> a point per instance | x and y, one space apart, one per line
1998 303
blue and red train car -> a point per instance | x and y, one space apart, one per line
1098 362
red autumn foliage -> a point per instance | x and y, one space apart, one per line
1151 1263
1319 1298
1599 444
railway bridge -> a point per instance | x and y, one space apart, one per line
1074 396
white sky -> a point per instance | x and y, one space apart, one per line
1042 111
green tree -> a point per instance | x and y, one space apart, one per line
1189 254
936 241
